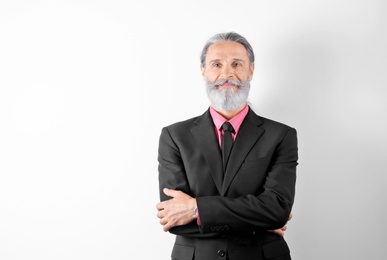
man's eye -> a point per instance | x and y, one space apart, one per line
216 65
237 64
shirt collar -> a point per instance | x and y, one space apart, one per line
236 121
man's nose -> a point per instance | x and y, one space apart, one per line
227 72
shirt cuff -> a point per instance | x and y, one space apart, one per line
197 216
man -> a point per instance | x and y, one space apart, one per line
225 204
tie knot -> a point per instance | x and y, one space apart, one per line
228 127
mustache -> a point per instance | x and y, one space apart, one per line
235 82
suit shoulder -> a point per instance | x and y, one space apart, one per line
278 131
275 127
183 126
267 122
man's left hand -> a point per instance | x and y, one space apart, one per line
281 231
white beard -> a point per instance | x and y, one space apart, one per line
227 99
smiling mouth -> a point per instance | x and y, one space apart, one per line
227 85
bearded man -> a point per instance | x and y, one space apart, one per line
227 177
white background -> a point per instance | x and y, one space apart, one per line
86 86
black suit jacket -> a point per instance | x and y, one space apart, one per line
236 208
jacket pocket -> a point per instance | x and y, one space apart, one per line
181 252
276 249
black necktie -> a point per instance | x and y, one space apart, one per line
227 143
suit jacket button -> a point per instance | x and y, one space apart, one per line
221 253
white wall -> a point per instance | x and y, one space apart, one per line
85 87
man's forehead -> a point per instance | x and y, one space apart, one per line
227 49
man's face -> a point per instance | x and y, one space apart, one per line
227 60
227 75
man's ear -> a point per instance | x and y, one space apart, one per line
252 67
203 70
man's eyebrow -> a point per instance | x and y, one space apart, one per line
214 60
242 60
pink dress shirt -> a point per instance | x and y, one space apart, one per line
236 122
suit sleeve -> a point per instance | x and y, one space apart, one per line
171 168
172 175
267 210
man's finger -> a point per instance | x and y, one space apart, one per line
163 221
160 206
166 227
278 232
170 192
160 214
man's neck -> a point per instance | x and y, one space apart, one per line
230 114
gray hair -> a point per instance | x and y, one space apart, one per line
230 36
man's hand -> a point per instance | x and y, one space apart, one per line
179 210
281 231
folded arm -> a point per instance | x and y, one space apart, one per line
182 210
269 210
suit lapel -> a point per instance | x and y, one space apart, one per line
204 134
248 135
